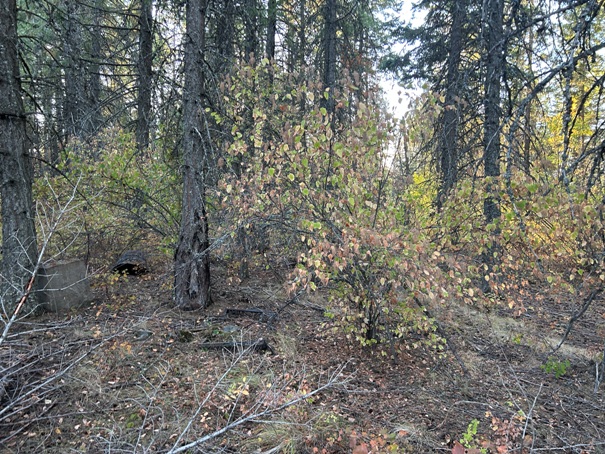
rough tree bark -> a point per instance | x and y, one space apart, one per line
271 29
19 249
251 42
93 72
145 65
329 48
82 56
74 102
448 138
225 23
494 66
192 262
295 41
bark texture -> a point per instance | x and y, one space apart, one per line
329 73
494 63
19 249
145 65
448 139
251 28
271 29
494 69
192 263
81 108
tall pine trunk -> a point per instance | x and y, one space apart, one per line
251 42
329 49
145 62
448 138
271 29
494 69
192 262
74 79
19 249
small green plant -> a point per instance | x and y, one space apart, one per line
554 366
517 338
133 420
469 438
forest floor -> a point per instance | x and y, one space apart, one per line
147 376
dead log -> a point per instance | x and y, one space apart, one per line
132 263
259 345
258 313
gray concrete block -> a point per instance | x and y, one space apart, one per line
64 286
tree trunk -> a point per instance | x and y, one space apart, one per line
329 76
81 110
73 106
93 74
271 29
494 65
251 30
300 60
192 263
225 37
527 129
145 62
448 140
19 249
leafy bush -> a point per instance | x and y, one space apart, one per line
118 199
324 179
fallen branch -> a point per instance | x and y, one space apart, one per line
257 417
574 318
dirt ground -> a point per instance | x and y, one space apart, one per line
147 373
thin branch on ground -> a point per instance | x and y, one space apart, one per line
266 400
575 317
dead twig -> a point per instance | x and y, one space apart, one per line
259 415
575 317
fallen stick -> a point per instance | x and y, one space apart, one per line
260 345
